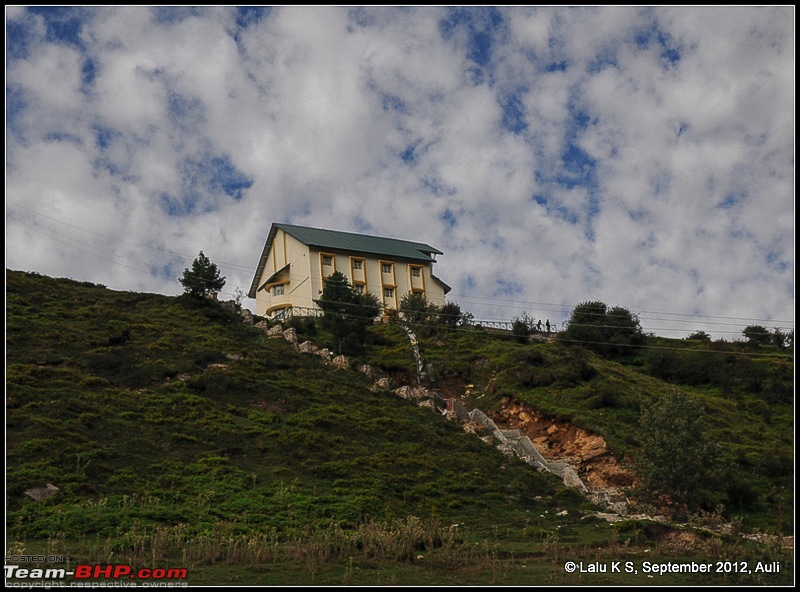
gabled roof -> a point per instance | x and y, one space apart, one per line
346 241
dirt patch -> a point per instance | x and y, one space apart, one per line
679 541
560 440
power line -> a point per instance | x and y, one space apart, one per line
553 307
148 273
477 300
237 266
474 330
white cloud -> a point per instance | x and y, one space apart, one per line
379 118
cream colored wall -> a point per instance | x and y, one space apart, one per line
305 282
286 249
375 278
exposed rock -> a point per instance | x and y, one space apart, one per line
480 417
341 362
247 316
184 377
217 367
419 391
596 468
307 348
471 427
457 410
262 325
275 332
571 479
404 391
233 357
506 449
290 335
365 369
382 384
40 493
325 354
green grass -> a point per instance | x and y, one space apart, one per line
157 456
748 414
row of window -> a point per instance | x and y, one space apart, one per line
386 268
278 290
358 265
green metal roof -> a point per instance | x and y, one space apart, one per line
360 243
346 241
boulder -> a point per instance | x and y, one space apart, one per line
307 348
275 332
290 335
405 392
341 362
40 493
247 316
382 384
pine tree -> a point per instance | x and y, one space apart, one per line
203 280
347 314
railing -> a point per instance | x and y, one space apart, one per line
493 325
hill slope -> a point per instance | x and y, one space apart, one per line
167 425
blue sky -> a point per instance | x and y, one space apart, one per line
639 156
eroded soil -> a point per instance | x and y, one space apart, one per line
560 440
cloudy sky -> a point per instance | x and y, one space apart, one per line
639 156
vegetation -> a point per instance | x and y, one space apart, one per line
427 318
608 331
757 335
677 459
346 313
203 280
525 326
177 435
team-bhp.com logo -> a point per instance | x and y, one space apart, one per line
97 571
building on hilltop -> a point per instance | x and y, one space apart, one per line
297 260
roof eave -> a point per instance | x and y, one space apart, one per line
262 262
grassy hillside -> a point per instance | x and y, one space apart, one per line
748 401
178 435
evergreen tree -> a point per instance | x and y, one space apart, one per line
346 313
203 280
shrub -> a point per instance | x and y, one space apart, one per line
677 457
611 332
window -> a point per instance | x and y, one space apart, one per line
386 268
277 290
388 292
358 288
415 271
327 260
357 263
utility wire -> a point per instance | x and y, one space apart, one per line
237 266
473 330
481 301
